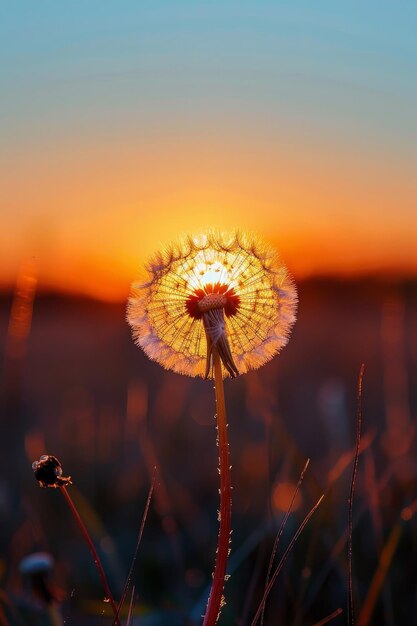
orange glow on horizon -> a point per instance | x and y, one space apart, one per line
93 281
108 277
91 215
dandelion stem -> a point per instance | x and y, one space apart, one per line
93 550
216 594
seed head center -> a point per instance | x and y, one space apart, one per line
212 301
212 297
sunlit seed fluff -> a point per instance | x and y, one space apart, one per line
225 290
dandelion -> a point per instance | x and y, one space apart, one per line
214 305
229 291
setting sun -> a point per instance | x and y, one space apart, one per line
101 170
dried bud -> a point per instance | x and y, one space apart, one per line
48 472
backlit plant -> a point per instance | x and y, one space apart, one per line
214 305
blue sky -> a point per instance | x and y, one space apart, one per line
233 107
329 62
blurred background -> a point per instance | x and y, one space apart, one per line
122 127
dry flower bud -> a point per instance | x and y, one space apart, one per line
48 472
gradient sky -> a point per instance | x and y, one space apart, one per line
125 123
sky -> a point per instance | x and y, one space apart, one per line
125 124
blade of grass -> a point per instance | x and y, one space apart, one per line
329 618
135 555
308 591
130 613
250 588
284 558
385 559
338 548
350 607
280 531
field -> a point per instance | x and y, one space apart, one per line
78 388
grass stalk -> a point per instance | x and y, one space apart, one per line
280 531
135 555
379 577
330 617
283 559
350 605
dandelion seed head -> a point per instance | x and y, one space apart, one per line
230 291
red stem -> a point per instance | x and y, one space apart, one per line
93 551
216 594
